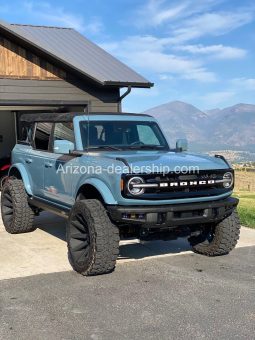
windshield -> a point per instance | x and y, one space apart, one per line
119 135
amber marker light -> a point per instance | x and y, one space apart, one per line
121 184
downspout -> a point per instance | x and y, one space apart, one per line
123 96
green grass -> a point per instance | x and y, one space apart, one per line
246 208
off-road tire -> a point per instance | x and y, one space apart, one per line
223 238
17 215
92 239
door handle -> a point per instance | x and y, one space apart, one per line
48 165
28 161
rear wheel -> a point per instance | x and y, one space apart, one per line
93 241
219 239
17 215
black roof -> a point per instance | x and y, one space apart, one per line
72 51
68 117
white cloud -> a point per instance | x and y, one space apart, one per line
220 98
155 15
95 26
214 51
158 12
236 88
212 24
165 77
187 20
150 53
52 15
247 84
201 74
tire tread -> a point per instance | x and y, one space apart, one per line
107 239
23 218
227 234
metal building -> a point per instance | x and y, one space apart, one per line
52 69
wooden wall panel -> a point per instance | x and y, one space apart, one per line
18 63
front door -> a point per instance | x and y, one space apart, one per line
35 159
58 178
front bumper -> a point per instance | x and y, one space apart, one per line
173 215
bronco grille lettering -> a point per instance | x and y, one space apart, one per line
189 183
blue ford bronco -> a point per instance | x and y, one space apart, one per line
114 175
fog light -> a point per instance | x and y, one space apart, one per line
133 216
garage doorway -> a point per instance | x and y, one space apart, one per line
9 121
7 133
19 113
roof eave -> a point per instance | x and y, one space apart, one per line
126 84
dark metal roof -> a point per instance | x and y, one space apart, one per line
71 49
68 117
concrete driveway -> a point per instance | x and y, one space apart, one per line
44 251
160 290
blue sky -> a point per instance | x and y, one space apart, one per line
198 51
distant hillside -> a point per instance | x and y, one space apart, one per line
235 125
232 128
181 120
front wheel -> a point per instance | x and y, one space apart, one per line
219 239
93 241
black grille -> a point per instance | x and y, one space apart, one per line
187 191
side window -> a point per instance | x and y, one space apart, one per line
64 131
42 136
147 135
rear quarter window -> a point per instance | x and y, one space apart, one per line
42 136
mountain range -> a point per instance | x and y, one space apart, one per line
231 128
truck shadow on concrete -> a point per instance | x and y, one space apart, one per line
129 249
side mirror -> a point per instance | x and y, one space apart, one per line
63 146
181 145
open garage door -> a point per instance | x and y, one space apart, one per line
7 133
9 121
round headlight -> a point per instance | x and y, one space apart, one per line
228 180
133 186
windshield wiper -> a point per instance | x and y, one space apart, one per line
142 146
105 147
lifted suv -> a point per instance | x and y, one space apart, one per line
112 175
